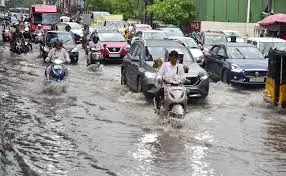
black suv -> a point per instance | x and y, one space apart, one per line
138 73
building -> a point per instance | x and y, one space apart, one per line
236 10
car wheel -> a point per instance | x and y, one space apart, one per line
139 84
224 76
123 77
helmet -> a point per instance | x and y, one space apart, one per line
26 29
39 25
57 41
95 39
67 28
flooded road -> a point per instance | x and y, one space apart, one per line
99 127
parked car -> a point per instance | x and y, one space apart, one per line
237 63
138 73
172 31
138 27
68 43
75 28
194 48
113 45
229 33
265 43
211 38
152 34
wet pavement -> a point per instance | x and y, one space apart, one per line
99 127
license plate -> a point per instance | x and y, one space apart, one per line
114 55
57 67
257 79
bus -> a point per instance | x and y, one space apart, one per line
46 15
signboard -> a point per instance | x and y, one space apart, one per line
194 26
45 8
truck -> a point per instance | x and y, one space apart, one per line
46 15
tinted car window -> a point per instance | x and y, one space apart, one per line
162 52
244 52
214 39
154 35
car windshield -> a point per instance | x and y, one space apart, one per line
46 18
111 37
66 38
75 26
244 52
230 33
156 52
211 40
115 24
154 35
173 32
265 47
189 42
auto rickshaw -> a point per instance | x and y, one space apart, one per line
275 88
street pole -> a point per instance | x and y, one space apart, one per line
269 7
247 16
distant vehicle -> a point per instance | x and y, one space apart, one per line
229 33
138 73
264 44
75 28
237 63
113 46
194 48
152 34
46 15
211 38
172 31
65 19
68 43
138 27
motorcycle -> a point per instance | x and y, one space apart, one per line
174 102
39 38
17 46
6 35
94 58
26 46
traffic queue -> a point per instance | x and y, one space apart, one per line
225 55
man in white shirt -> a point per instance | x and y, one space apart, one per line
167 70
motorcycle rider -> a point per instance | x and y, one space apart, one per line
27 34
167 70
39 29
94 43
68 29
59 51
15 35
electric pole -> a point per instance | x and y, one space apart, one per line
270 7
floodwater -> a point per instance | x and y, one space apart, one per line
99 127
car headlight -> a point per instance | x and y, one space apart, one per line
204 76
235 68
150 75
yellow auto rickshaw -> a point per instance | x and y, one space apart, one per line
275 88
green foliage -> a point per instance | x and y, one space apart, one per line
177 12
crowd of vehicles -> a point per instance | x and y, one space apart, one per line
205 55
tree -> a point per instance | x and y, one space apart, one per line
177 12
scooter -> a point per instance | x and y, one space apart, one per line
58 71
39 38
174 102
94 58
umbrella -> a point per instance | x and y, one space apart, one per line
272 19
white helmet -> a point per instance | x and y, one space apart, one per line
26 29
39 25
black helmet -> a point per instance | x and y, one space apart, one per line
68 28
232 37
95 39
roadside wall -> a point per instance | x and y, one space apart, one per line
218 26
